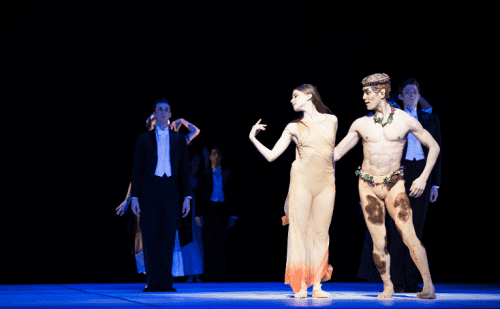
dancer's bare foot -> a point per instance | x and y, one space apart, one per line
427 293
319 293
388 290
301 294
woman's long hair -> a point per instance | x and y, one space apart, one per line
149 121
316 100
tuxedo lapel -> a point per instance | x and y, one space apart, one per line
420 119
423 121
151 137
210 183
172 147
423 117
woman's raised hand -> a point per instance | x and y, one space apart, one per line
176 125
257 128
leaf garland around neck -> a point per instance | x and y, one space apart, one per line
389 119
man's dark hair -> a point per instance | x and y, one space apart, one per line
409 81
162 100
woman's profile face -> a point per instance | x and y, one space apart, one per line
299 100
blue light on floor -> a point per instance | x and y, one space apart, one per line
241 295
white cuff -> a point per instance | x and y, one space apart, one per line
437 187
234 217
134 198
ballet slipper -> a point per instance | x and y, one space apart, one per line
301 294
319 293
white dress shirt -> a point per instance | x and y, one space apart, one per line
218 192
163 143
163 165
414 150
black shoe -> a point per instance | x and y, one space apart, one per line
149 289
413 289
170 289
399 288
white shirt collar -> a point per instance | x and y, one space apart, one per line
411 112
158 129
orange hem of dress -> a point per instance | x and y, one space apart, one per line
293 277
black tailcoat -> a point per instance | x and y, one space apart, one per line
160 201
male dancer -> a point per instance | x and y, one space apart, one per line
381 177
160 174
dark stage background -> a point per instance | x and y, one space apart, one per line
83 81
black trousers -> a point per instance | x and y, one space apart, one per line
403 269
214 241
160 216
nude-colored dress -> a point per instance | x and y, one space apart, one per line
309 205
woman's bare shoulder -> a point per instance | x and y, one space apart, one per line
292 128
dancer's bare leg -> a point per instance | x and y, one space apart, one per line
304 199
303 290
374 213
322 211
399 209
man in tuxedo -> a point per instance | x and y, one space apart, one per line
217 213
404 272
160 174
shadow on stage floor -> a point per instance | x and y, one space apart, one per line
213 295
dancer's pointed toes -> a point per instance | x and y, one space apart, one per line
321 294
301 294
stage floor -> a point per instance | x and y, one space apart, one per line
213 295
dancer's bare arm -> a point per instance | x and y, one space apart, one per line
348 142
426 139
193 130
280 146
120 210
335 128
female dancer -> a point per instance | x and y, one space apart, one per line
192 265
311 194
